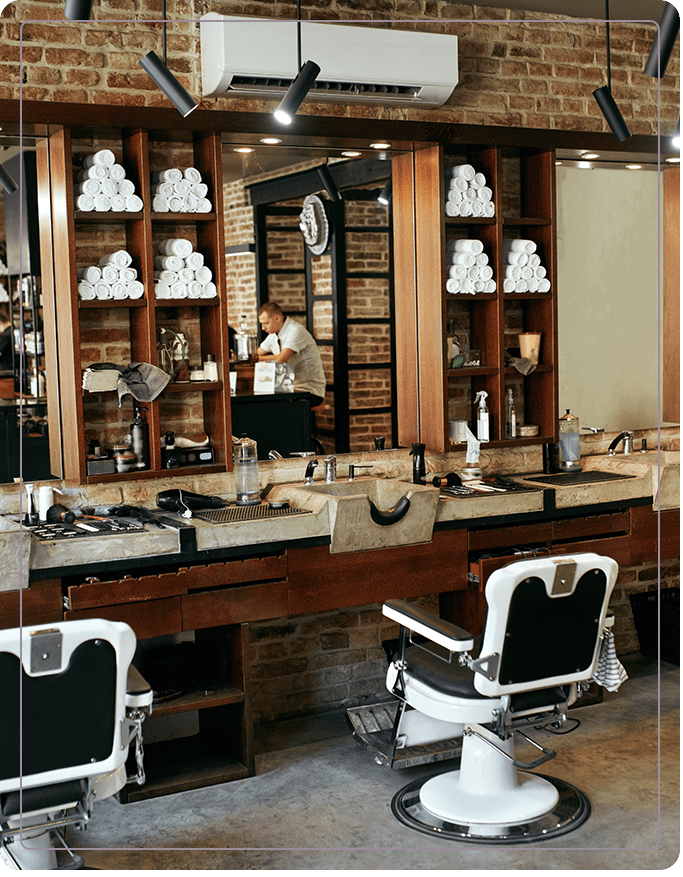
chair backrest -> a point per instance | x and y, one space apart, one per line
545 618
62 701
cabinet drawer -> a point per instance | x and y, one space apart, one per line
233 605
597 525
41 604
509 537
151 618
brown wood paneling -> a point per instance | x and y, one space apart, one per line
40 604
597 525
505 537
234 605
671 310
319 581
151 618
648 533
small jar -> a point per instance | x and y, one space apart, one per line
470 473
210 368
197 374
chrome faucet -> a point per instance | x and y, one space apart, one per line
354 466
628 443
275 455
330 468
308 476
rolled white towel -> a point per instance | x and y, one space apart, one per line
91 274
479 285
539 272
194 261
477 207
168 263
482 259
86 203
467 285
110 274
127 275
175 204
544 285
194 289
133 204
162 290
96 172
527 273
453 285
160 204
521 286
170 175
478 180
179 290
461 170
103 157
204 206
519 259
490 286
468 246
489 209
466 207
452 209
117 172
190 203
532 283
192 174
126 187
458 272
136 289
86 291
454 195
119 258
486 272
209 290
201 190
102 203
473 272
470 194
176 247
514 272
204 275
89 187
187 275
182 188
534 260
520 246
164 189
118 203
102 290
508 284
167 276
109 187
485 193
459 183
466 259
119 290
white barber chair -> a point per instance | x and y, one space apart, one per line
71 704
546 620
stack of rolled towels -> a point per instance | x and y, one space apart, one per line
102 185
179 191
467 268
180 272
111 278
522 266
467 193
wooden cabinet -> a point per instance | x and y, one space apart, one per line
431 391
127 330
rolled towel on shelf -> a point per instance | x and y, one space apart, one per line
470 194
102 203
126 188
187 275
489 209
169 263
182 188
119 290
162 290
534 260
109 187
521 286
170 175
165 276
486 272
91 274
190 203
103 157
482 259
194 289
110 274
102 290
527 273
514 272
478 285
136 289
468 246
204 206
508 284
116 172
466 208
204 275
454 195
200 190
127 275
86 291
519 259
466 259
452 209
96 172
540 272
458 183
517 245
175 204
164 189
453 285
133 204
160 204
489 286
457 271
532 283
192 174
474 272
176 247
85 203
478 180
485 193
179 290
544 285
467 285
477 207
119 258
194 261
209 290
118 203
466 171
89 187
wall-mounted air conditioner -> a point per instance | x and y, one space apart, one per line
257 58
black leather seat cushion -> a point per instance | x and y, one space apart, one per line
447 678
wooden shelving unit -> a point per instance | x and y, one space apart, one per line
77 235
431 393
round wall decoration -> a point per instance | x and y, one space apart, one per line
314 225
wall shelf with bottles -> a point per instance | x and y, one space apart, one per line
522 193
125 330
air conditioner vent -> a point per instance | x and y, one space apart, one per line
277 87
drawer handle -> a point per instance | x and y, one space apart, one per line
391 516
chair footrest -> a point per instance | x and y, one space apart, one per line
373 727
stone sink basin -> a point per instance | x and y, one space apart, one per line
368 513
14 555
664 468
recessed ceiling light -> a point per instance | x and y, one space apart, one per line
558 162
380 145
351 154
271 141
590 155
673 159
244 149
634 167
585 164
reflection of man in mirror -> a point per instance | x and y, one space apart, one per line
6 339
289 342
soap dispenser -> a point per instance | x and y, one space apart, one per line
570 443
418 454
510 415
482 416
139 431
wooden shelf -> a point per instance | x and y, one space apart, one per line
202 386
183 218
107 217
526 220
197 700
113 303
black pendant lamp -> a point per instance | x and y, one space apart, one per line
78 10
166 81
300 87
605 100
663 43
328 182
384 196
7 182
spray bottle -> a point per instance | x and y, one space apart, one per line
482 416
139 431
510 415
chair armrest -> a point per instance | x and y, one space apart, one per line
441 632
609 620
138 691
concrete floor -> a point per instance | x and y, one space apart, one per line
319 801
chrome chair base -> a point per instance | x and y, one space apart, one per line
571 811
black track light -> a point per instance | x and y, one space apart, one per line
167 82
604 98
384 196
78 10
7 182
328 182
663 42
296 92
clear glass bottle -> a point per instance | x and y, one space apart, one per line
245 458
570 443
210 368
